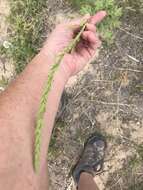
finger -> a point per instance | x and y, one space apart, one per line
82 50
98 17
89 36
96 45
91 27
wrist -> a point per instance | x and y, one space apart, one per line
46 62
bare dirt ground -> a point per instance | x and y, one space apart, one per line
107 98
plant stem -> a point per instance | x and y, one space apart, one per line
44 98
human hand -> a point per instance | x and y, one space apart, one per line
85 49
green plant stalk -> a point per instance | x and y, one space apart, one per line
44 98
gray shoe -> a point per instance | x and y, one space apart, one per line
92 158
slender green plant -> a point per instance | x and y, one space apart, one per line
44 98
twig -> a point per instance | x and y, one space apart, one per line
110 103
43 102
118 108
132 70
133 58
133 35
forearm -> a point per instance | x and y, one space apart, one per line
19 105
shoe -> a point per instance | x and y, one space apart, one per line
92 158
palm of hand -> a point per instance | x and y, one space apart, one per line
86 48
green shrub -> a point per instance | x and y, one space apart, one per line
26 21
112 21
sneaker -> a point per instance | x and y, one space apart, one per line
92 158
